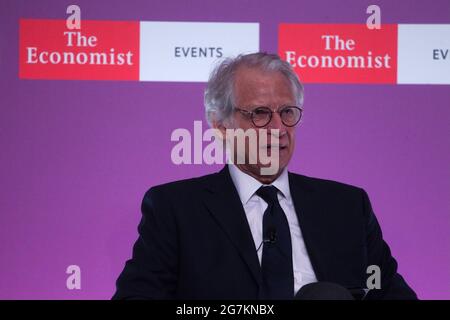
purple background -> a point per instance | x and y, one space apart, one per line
77 156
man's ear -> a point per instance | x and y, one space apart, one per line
220 127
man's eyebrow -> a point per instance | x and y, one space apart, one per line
281 105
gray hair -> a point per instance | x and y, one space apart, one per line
219 96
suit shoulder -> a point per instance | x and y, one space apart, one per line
182 186
325 185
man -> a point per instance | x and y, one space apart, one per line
241 234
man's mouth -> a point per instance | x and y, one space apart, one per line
280 147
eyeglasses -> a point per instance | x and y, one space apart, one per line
261 116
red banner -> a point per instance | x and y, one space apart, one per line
344 53
100 50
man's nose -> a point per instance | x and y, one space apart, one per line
276 123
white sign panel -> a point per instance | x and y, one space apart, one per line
423 54
187 51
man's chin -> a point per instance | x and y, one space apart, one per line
271 170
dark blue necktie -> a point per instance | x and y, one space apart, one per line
276 264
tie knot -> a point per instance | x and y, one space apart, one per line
268 194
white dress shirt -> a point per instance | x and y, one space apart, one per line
254 207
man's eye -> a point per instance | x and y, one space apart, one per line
260 112
288 111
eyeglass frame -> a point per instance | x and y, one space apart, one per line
252 112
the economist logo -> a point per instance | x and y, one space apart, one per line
340 53
99 50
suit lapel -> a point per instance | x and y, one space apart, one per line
321 233
309 217
225 206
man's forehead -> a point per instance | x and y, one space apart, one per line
254 82
247 73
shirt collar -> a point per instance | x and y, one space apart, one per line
246 185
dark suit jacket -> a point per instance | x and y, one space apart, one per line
195 241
